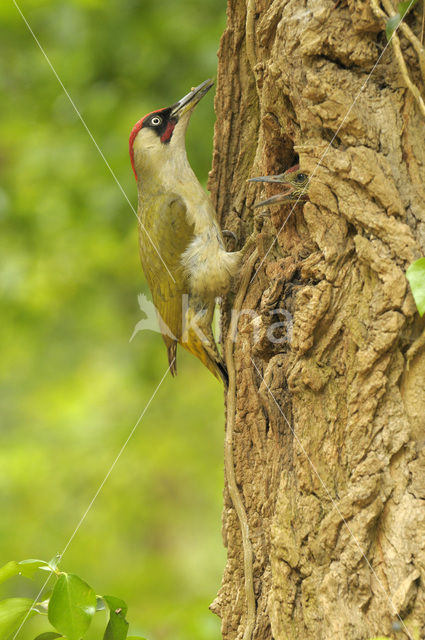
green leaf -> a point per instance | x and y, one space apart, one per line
72 606
403 7
9 570
49 635
392 25
25 568
394 21
416 277
117 626
135 638
12 613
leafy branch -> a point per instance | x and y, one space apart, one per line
69 609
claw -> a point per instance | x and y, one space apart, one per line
229 234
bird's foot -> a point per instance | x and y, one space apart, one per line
232 241
229 234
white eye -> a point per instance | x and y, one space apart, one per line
156 120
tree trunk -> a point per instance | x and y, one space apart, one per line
329 429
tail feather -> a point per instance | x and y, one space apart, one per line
198 339
208 355
172 357
223 373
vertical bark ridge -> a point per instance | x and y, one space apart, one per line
335 279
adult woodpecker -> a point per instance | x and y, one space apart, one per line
181 245
294 181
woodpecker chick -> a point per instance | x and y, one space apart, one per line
181 244
295 182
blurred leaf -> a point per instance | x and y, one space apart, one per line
416 277
27 568
403 7
135 638
49 635
9 570
392 25
72 606
394 21
12 613
117 626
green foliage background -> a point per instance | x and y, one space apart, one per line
72 385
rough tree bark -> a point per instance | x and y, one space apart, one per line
335 497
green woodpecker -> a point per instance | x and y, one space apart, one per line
181 245
294 181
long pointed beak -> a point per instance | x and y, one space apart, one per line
279 178
283 196
280 197
188 102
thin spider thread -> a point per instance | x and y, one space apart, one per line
60 556
99 489
255 274
91 136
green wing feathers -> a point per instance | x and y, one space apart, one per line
163 238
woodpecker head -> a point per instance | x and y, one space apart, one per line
159 137
295 183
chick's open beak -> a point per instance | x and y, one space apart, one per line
280 197
283 196
188 102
